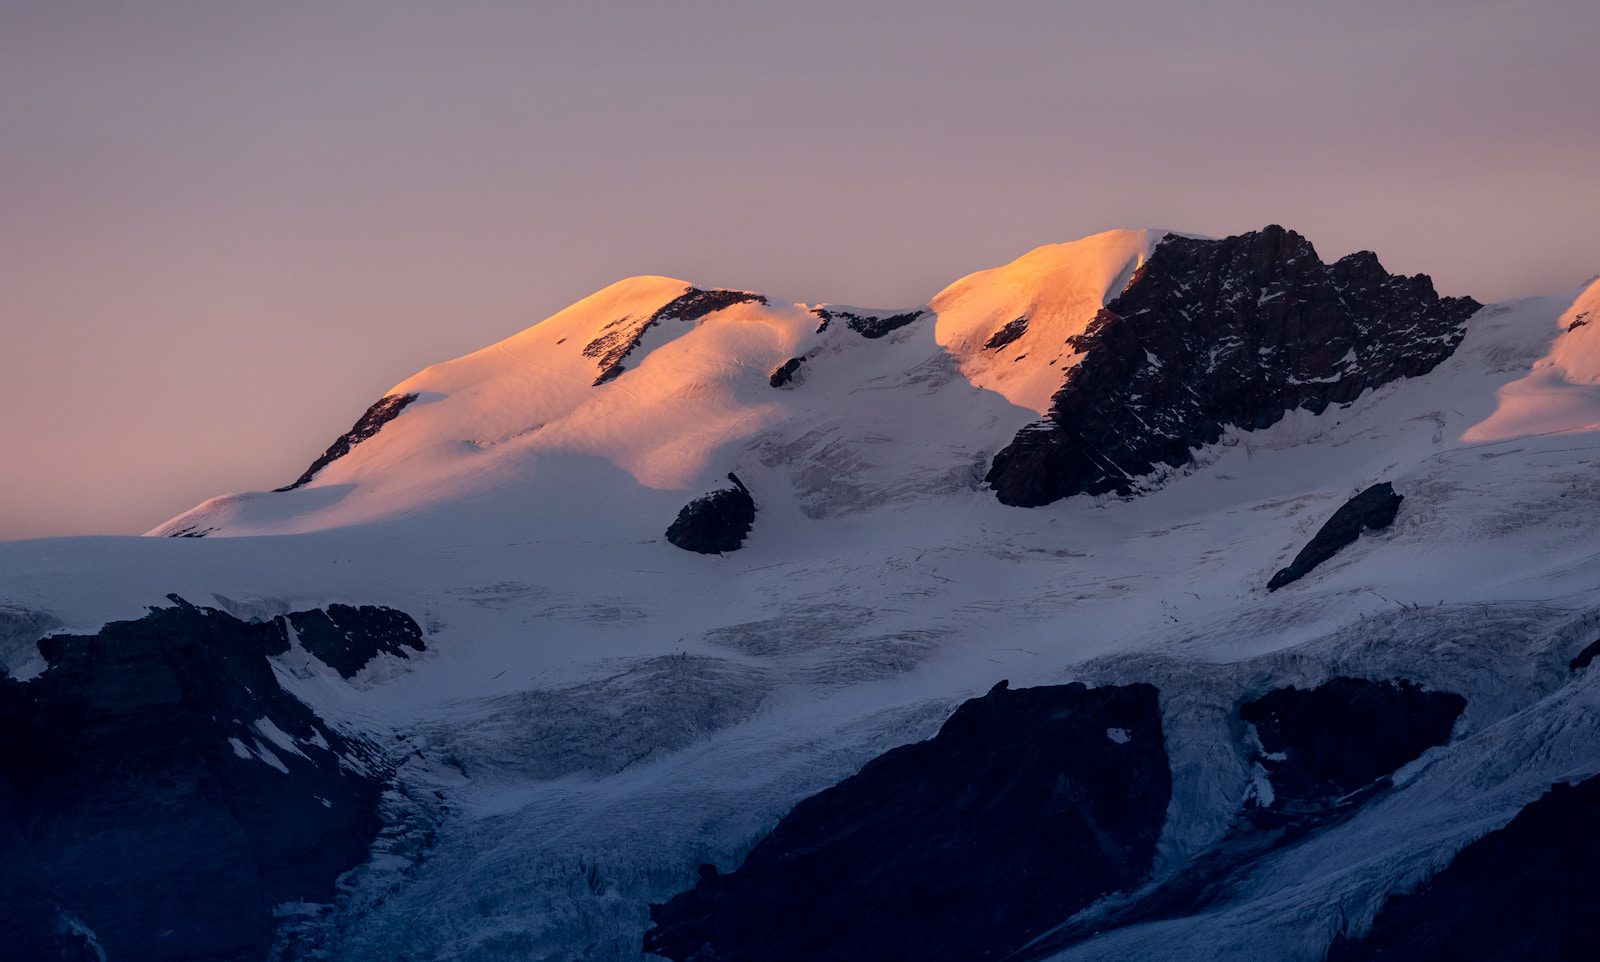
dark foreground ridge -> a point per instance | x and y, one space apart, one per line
1213 333
385 410
1371 510
717 522
1027 806
618 339
1326 752
160 794
1525 891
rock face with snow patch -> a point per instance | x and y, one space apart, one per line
385 410
1371 510
347 637
785 373
1525 891
869 326
1026 806
1211 334
618 339
161 794
715 523
1323 744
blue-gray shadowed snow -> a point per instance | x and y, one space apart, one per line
1371 510
1027 805
1212 334
162 796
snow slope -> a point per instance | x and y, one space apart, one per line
878 420
598 713
1561 392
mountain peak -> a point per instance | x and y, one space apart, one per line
1217 333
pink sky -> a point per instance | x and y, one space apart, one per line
226 229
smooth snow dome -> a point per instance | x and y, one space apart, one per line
1056 290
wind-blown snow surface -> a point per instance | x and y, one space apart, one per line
598 712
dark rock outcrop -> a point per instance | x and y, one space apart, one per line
1213 333
1012 331
1348 734
385 410
870 326
346 637
1027 806
1371 510
618 339
786 371
160 793
717 522
1525 891
1583 658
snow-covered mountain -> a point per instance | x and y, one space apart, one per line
459 692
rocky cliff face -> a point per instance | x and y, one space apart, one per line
161 795
1027 806
1216 333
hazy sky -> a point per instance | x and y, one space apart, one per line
228 227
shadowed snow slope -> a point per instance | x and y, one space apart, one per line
596 713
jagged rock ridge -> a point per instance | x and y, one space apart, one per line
1028 805
347 637
870 326
1216 333
1371 510
386 409
618 339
